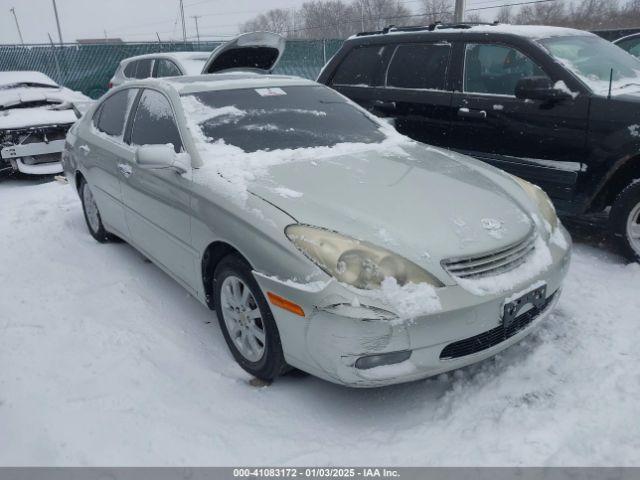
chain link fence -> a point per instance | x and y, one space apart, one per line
89 67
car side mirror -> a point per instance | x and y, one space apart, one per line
162 156
538 88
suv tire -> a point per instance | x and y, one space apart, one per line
625 220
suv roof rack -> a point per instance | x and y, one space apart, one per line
426 28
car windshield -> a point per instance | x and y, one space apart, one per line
265 119
592 58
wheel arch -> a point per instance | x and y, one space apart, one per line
211 257
78 178
613 185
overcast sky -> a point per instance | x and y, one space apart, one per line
128 19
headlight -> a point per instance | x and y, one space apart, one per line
546 208
354 262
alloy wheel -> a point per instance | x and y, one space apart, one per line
242 318
91 209
633 229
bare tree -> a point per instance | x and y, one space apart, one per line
552 13
328 19
473 17
277 21
505 15
437 11
377 14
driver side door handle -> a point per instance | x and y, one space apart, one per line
125 169
469 113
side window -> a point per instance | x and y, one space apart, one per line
419 66
154 123
632 46
130 69
112 114
362 66
143 68
166 68
496 69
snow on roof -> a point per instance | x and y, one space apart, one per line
12 78
530 31
232 81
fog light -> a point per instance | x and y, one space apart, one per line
372 361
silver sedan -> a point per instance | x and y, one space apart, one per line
323 239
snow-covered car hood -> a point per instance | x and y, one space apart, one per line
15 111
422 203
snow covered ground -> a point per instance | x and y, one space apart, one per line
104 360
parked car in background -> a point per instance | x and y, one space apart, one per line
323 239
630 43
535 101
261 51
35 114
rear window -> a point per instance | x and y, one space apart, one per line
421 66
363 66
280 118
138 69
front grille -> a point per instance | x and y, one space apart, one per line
494 263
491 338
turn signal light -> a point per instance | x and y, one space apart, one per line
285 304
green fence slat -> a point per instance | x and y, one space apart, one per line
88 68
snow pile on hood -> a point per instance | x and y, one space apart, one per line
411 300
232 170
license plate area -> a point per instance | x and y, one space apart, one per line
537 298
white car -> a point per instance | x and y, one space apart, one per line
159 65
255 51
35 115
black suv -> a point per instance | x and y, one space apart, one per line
555 106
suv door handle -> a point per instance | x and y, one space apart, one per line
125 169
384 105
468 113
85 149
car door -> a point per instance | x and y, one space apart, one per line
541 141
157 201
100 147
416 88
360 76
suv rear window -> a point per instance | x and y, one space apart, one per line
138 69
362 66
419 66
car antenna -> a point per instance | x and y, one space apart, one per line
610 84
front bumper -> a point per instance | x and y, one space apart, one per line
328 345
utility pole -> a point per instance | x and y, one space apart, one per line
184 26
196 17
13 10
459 12
55 11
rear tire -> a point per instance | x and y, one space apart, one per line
92 214
246 320
625 220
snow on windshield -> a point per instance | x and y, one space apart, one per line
239 135
592 59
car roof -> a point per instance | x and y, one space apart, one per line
533 32
177 56
222 81
25 76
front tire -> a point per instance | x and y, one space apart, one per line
246 320
625 220
92 214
